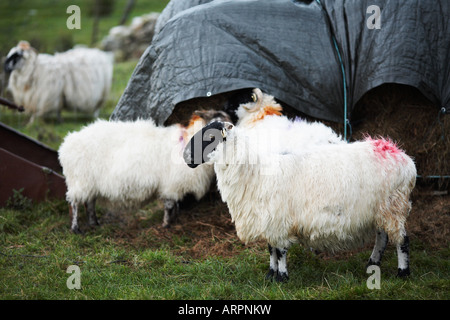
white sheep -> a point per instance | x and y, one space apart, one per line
263 114
129 163
79 79
329 197
260 112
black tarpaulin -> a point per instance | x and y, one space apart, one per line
293 50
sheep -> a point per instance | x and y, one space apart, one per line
260 112
330 197
128 163
79 79
263 110
131 41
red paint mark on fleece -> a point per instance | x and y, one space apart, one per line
384 148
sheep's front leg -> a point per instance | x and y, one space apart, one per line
282 274
171 209
381 241
278 264
403 258
273 266
92 216
74 228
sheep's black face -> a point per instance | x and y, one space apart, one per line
12 60
204 142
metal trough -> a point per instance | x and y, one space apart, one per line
28 148
29 165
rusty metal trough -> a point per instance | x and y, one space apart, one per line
28 164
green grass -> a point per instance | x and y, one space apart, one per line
36 248
43 22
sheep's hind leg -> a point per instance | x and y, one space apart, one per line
171 209
278 264
282 274
74 227
403 258
273 267
92 216
381 241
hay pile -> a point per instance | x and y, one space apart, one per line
403 114
406 116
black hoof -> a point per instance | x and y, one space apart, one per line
76 230
372 263
403 273
282 277
270 274
94 223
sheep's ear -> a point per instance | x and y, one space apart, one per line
259 95
256 99
203 143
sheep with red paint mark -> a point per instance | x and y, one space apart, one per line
331 196
128 163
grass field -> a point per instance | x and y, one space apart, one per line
43 22
130 256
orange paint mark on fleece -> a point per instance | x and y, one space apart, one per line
193 119
188 132
268 111
24 45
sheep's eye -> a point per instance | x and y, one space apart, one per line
254 97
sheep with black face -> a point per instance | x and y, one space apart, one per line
79 79
128 163
329 197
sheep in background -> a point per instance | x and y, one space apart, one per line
263 115
330 197
79 79
131 41
130 163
